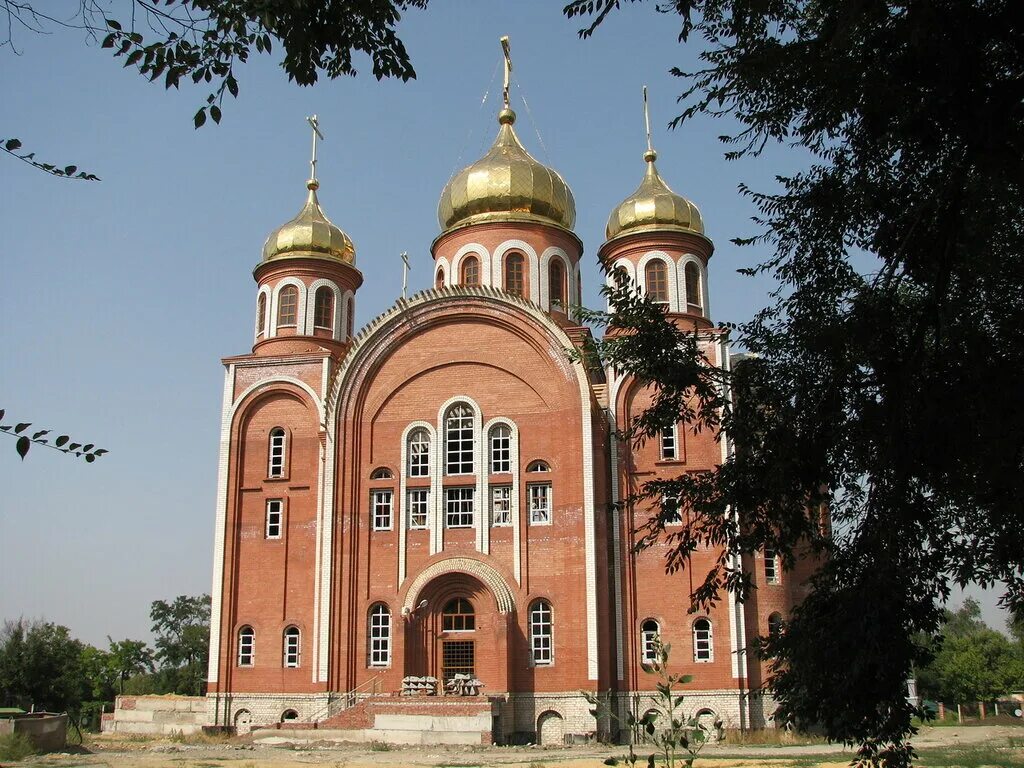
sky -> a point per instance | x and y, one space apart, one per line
121 297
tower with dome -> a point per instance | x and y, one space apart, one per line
416 532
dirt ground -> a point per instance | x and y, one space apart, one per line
129 752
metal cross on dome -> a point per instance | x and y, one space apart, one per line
647 122
315 125
508 68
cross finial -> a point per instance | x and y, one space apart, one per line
315 125
508 68
405 271
647 122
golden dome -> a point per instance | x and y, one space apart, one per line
654 206
310 233
506 184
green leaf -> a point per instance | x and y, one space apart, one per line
113 24
70 170
200 118
108 41
74 446
40 433
215 113
10 146
61 440
22 446
22 427
1 409
88 447
90 458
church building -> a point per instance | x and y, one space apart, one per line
416 521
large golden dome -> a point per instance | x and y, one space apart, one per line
506 184
654 206
310 233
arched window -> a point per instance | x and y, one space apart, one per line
556 282
292 647
471 271
458 616
350 316
775 625
246 647
514 273
692 276
541 633
287 306
289 715
381 473
771 566
703 649
538 466
439 278
275 466
261 314
649 639
380 636
419 453
501 449
656 274
458 440
323 308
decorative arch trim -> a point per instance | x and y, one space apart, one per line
702 276
570 277
498 266
471 249
670 274
336 312
267 384
487 574
300 309
263 291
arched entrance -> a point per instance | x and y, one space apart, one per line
243 722
458 635
550 728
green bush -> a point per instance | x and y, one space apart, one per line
16 746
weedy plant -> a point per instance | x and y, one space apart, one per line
676 738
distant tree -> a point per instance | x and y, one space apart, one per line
1016 625
886 372
182 632
128 658
41 666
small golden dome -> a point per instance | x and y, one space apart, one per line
506 184
654 206
310 233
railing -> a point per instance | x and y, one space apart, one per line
339 702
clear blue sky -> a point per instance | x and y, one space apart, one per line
120 297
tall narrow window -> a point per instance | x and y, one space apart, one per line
471 271
458 507
692 276
287 305
501 505
323 308
277 455
702 641
458 437
419 453
458 616
556 282
381 502
246 647
540 504
775 625
771 566
292 647
501 449
657 281
541 632
350 316
649 636
419 504
261 314
275 518
380 636
514 273
669 444
439 278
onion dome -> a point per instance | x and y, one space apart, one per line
310 234
506 184
654 206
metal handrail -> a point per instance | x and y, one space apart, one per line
340 702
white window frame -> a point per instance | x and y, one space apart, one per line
378 638
382 508
501 506
459 440
670 444
540 514
418 502
703 642
292 658
277 452
500 449
246 646
274 528
649 641
771 567
455 506
542 634
419 457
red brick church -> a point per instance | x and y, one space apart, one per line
419 514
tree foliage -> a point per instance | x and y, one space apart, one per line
182 637
886 371
26 438
41 665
